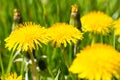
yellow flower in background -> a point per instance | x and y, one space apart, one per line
117 27
62 33
96 22
12 77
97 62
26 37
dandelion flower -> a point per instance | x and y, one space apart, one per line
27 37
62 33
97 62
96 22
12 77
117 27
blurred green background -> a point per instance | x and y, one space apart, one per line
46 13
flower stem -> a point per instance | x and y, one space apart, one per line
23 65
34 75
93 39
70 54
101 38
10 62
1 64
113 39
49 59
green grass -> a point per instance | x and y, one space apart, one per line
47 14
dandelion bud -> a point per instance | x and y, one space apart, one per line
75 17
16 18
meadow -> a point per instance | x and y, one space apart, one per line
59 40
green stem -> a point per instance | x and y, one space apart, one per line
23 64
70 54
50 72
49 60
54 53
93 39
10 63
113 39
34 75
101 38
1 64
62 55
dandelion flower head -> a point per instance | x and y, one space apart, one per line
62 33
117 27
12 77
26 37
97 62
96 22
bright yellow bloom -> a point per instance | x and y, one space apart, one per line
62 33
96 22
117 27
27 37
97 62
12 77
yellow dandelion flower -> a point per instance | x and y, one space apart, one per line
117 27
26 37
12 77
97 62
62 33
96 22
